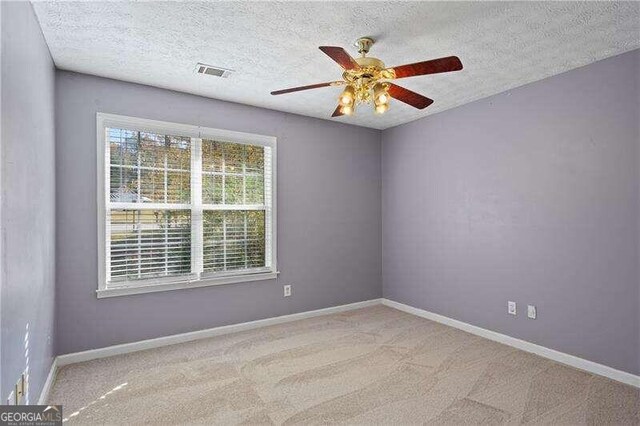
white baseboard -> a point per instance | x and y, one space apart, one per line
561 357
571 360
73 358
48 384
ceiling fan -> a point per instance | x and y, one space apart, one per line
366 78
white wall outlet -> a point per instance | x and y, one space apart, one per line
20 390
287 290
511 308
531 311
25 386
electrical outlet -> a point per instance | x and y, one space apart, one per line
20 390
18 394
531 311
287 290
25 386
511 308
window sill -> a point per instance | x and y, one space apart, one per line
178 285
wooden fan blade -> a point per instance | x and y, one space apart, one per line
337 112
434 66
409 97
341 56
311 86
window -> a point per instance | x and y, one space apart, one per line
183 206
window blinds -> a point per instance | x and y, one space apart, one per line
186 208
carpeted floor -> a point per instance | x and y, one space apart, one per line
370 366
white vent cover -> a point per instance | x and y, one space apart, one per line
211 70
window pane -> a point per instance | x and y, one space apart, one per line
123 146
255 159
233 157
255 190
211 156
124 185
212 189
233 240
152 150
178 187
178 152
151 186
233 189
150 243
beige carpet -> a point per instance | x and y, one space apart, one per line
370 366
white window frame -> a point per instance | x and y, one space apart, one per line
197 133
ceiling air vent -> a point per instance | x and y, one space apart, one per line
214 71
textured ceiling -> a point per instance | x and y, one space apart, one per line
274 45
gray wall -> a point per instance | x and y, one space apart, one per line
530 196
329 217
28 188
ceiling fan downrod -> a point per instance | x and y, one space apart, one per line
364 44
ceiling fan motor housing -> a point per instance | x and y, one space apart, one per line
370 62
372 70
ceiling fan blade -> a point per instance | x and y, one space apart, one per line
337 112
341 56
311 86
434 66
409 97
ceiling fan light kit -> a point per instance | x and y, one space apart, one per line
366 79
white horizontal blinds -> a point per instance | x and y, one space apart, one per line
149 207
233 240
150 243
233 197
268 205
